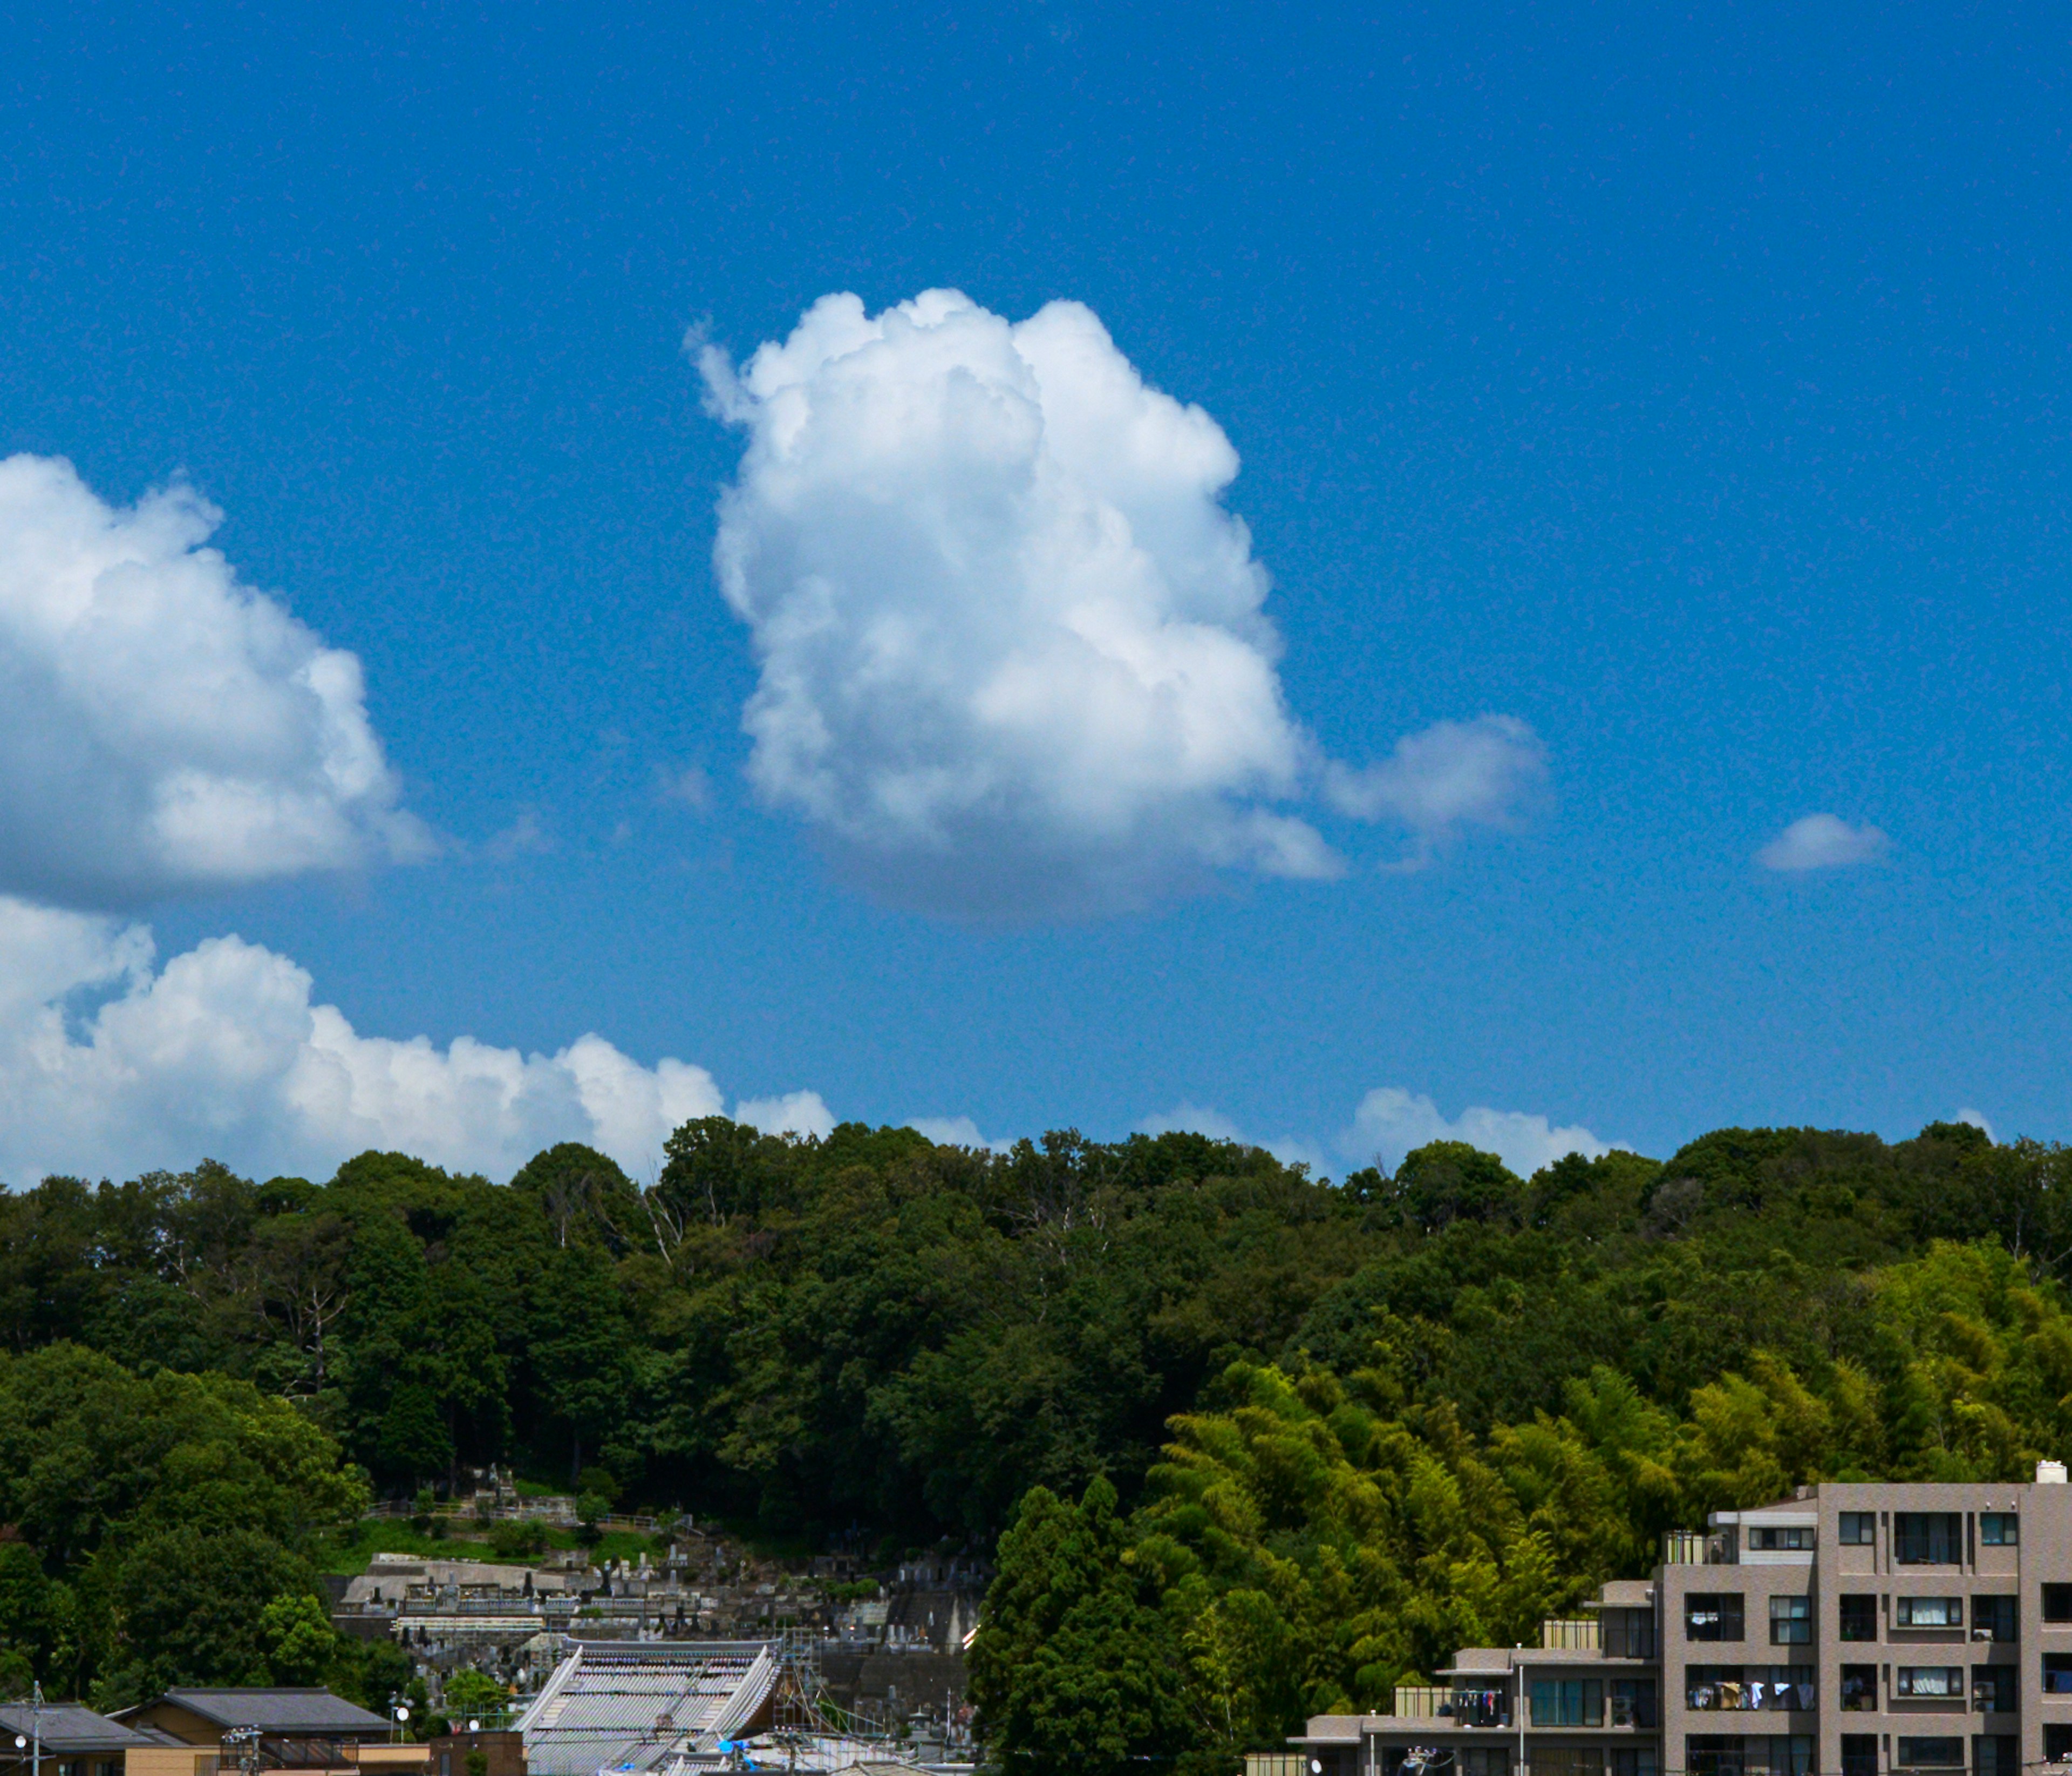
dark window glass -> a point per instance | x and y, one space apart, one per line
1628 1633
1859 1528
1632 1701
1713 1615
1859 1754
1929 1753
1860 1689
1993 1689
1996 1754
1772 1539
2058 1673
2057 1603
1929 1613
1859 1617
1567 1701
1638 1761
1927 1538
2058 1743
1999 1529
1790 1622
1713 1754
1994 1617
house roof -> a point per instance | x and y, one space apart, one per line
66 1726
275 1710
632 1706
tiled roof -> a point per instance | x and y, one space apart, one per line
279 1711
65 1726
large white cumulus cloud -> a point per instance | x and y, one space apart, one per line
163 727
1013 656
225 1053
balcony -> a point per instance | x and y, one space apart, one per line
1464 1707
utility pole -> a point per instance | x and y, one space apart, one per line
36 1727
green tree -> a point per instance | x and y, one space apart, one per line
1071 1669
299 1643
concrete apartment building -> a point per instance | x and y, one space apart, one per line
1873 1630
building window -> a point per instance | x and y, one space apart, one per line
1996 1754
1999 1529
1780 1754
1567 1760
1859 1754
1859 1528
1641 1761
1993 1689
1928 1538
1790 1622
1713 1615
2057 1603
1628 1633
2058 1674
1994 1618
1929 1753
1929 1612
1484 1760
2056 1743
1567 1701
1773 1538
1929 1680
1860 1689
1714 1754
1632 1701
1859 1616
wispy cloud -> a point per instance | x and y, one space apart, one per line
1823 841
1487 772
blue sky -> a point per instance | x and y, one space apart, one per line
1683 388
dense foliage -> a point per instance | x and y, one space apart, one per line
157 1528
1516 1398
865 1332
1318 1434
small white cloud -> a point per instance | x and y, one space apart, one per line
1014 659
794 1113
224 1052
1822 841
1487 772
163 727
1391 1122
1977 1120
956 1132
525 836
688 785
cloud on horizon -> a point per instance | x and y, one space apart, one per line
165 729
1015 660
112 1066
1390 1123
1823 841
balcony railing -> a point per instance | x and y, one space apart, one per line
1463 1708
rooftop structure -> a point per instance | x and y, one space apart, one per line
635 1706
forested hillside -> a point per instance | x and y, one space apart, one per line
1266 1444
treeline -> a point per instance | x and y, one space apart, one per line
867 1334
1297 1439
